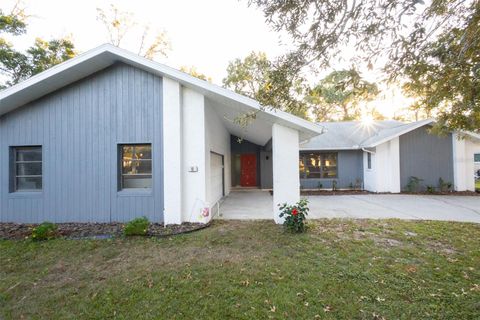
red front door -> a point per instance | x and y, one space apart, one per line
248 168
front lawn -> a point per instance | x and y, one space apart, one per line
340 269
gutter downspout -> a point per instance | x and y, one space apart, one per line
368 151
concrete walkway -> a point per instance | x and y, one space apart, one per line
250 204
256 204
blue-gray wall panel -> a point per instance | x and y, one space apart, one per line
426 156
79 128
350 168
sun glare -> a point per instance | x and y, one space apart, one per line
367 120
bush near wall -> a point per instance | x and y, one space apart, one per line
137 227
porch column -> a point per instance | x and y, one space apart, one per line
172 152
459 163
194 171
286 179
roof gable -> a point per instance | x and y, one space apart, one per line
106 55
354 135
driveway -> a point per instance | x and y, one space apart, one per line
258 205
383 206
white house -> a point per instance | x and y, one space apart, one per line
382 156
109 136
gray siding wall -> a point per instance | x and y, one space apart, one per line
350 168
426 156
266 170
79 128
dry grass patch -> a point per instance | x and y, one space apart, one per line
339 269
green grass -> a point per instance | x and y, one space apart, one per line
340 269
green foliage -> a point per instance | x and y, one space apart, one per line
274 86
44 231
444 186
414 184
13 22
137 227
16 65
431 48
339 269
338 96
195 73
334 185
358 184
430 189
295 216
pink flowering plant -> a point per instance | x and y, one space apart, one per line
295 215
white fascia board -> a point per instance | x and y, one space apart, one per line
107 54
398 134
472 135
329 149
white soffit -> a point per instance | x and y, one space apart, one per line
106 55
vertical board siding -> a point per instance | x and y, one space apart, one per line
426 156
349 169
79 128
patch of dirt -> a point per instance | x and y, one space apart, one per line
361 192
441 248
333 193
14 231
445 193
387 242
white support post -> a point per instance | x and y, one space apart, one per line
286 179
459 163
194 171
172 152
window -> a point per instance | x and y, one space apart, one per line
477 157
314 165
135 166
369 160
26 168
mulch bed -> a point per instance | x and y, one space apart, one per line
15 231
446 193
358 192
332 193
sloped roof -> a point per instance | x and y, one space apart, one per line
353 135
106 55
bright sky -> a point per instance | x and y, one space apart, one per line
206 34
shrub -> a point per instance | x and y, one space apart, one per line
444 186
414 184
358 184
430 189
136 227
295 216
334 185
44 231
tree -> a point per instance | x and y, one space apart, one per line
120 23
338 96
423 46
16 66
194 72
256 77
